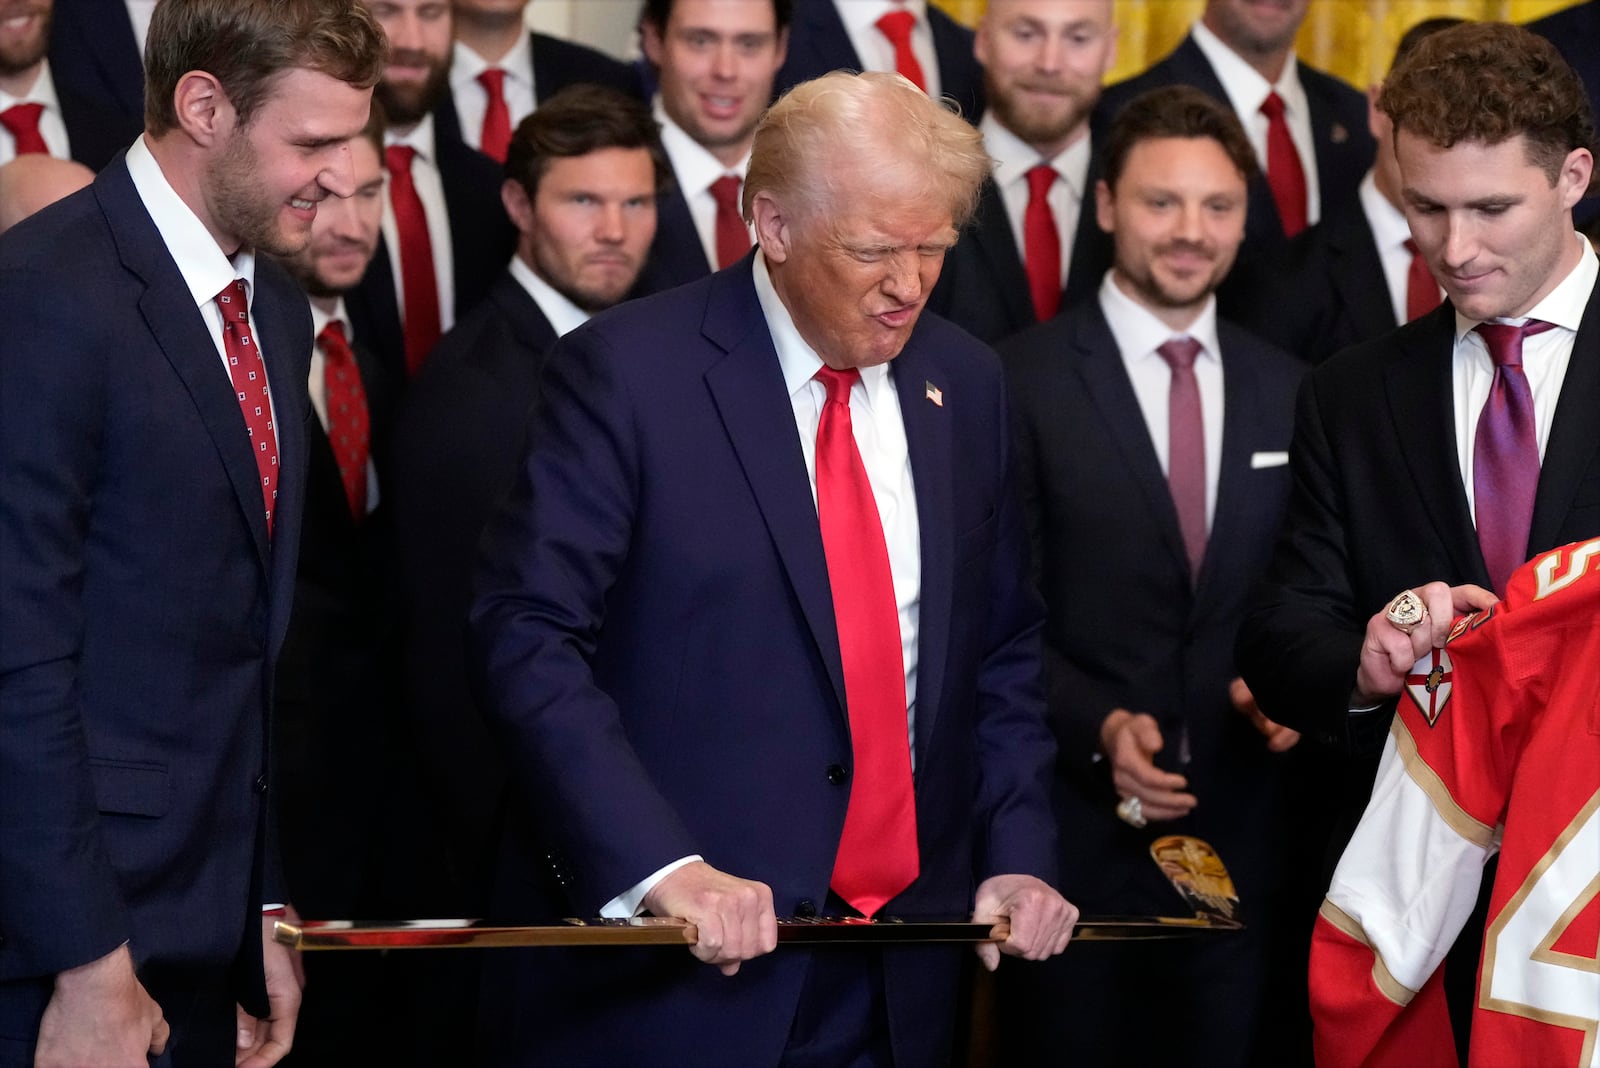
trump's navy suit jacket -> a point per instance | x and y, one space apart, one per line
656 643
142 602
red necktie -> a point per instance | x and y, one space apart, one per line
1186 449
349 432
421 313
896 26
877 855
733 239
249 374
22 121
496 116
1422 292
1505 454
1285 174
1042 241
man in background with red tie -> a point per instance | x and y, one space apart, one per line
501 71
445 236
1439 457
714 63
1308 128
152 456
1033 246
1152 440
38 115
755 629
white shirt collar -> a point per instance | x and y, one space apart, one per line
693 165
1389 226
1014 157
43 92
206 270
1564 305
563 315
1245 86
466 64
798 360
320 319
1138 333
420 138
862 15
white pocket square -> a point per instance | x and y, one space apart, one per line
1258 460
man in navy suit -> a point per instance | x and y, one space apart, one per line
97 52
39 112
1313 152
852 35
756 631
714 62
1153 439
1033 247
152 456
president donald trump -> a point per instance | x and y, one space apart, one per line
756 630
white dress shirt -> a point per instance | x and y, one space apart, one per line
1390 232
430 190
472 99
1247 90
695 169
563 315
317 385
1544 360
139 13
1138 333
1013 159
860 18
51 126
206 270
880 436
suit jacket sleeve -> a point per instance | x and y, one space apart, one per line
60 904
547 562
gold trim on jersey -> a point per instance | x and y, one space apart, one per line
1382 978
1459 819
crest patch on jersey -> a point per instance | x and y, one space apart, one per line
1429 683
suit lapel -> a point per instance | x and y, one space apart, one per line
1241 393
1574 435
822 33
1357 273
1421 404
1098 362
991 232
748 390
927 427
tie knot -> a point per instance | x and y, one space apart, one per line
1411 246
1272 107
19 119
397 158
493 81
1505 340
332 337
1180 353
896 26
838 383
1040 178
234 302
725 191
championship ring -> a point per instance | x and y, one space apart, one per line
1130 810
1406 611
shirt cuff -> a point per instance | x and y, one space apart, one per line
630 902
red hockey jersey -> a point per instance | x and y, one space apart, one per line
1496 745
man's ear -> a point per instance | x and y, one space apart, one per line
204 111
773 227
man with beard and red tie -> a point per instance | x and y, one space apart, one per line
39 114
445 235
1033 247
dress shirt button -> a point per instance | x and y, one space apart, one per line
261 784
806 908
837 775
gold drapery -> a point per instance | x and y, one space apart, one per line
1354 39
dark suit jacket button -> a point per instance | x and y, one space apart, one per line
261 784
806 908
837 775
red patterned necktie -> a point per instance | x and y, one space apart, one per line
496 116
1422 292
249 374
1285 173
421 313
877 855
22 122
1186 449
1042 243
733 239
896 26
1505 454
349 431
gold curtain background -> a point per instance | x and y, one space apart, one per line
1354 39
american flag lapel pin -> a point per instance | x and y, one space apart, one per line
934 393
